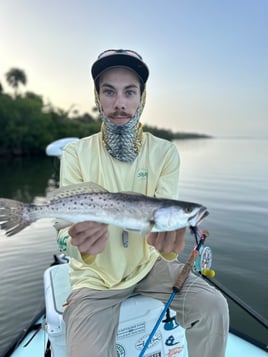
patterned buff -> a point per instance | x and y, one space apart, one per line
123 142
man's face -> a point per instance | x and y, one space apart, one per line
119 94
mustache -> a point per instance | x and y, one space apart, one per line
119 114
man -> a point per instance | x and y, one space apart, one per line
107 264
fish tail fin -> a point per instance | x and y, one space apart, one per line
13 217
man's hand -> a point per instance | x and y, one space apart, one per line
168 242
89 237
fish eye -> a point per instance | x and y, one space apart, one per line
188 210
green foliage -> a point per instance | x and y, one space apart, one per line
15 77
161 133
26 129
170 135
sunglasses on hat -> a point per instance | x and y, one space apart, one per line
121 51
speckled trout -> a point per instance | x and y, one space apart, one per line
91 202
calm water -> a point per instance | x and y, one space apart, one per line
229 176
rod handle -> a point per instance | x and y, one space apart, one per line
185 270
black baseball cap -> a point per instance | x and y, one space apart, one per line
120 58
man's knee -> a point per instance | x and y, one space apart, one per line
216 309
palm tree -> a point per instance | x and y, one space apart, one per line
15 77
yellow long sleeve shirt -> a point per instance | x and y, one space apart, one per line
154 172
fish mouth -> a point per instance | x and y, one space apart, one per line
198 217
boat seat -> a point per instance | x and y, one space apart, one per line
57 288
138 316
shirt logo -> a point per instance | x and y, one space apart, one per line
143 174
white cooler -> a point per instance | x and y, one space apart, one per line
138 316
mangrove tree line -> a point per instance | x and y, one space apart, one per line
28 125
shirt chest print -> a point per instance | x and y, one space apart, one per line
142 174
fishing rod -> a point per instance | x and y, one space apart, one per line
200 237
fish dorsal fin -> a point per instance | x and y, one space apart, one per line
76 189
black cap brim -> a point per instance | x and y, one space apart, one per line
120 60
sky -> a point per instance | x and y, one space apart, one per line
208 59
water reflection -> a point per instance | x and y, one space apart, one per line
23 179
225 157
